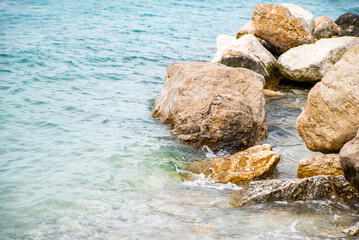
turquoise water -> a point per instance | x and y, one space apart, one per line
80 155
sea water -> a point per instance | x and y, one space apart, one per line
82 158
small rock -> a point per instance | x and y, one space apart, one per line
349 22
328 164
349 158
326 28
214 105
255 162
310 62
313 188
272 93
284 26
246 29
299 92
331 114
248 52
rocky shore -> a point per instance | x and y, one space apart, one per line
221 104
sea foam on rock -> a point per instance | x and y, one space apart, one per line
253 163
247 52
331 114
214 105
284 26
310 62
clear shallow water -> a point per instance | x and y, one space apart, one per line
80 155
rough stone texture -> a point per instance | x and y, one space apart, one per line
331 114
253 163
328 164
310 62
244 30
248 52
352 231
214 105
349 22
326 28
223 40
284 26
314 188
349 159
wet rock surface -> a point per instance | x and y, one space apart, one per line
214 105
349 158
254 163
284 26
328 164
331 115
314 188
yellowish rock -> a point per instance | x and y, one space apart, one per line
328 164
272 93
255 162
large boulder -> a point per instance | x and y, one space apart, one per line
331 114
310 62
328 164
214 105
247 52
349 22
314 188
326 28
284 26
242 167
349 158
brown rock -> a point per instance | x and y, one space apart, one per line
214 105
313 188
349 158
331 114
255 162
328 164
326 28
285 26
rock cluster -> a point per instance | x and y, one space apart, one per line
221 103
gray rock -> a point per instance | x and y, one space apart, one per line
310 62
349 159
314 188
349 22
247 52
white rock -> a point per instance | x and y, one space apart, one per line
305 16
310 62
223 40
247 52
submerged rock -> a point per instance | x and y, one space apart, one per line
349 22
314 188
310 62
284 26
326 28
349 158
352 231
253 163
328 164
214 105
247 52
331 114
